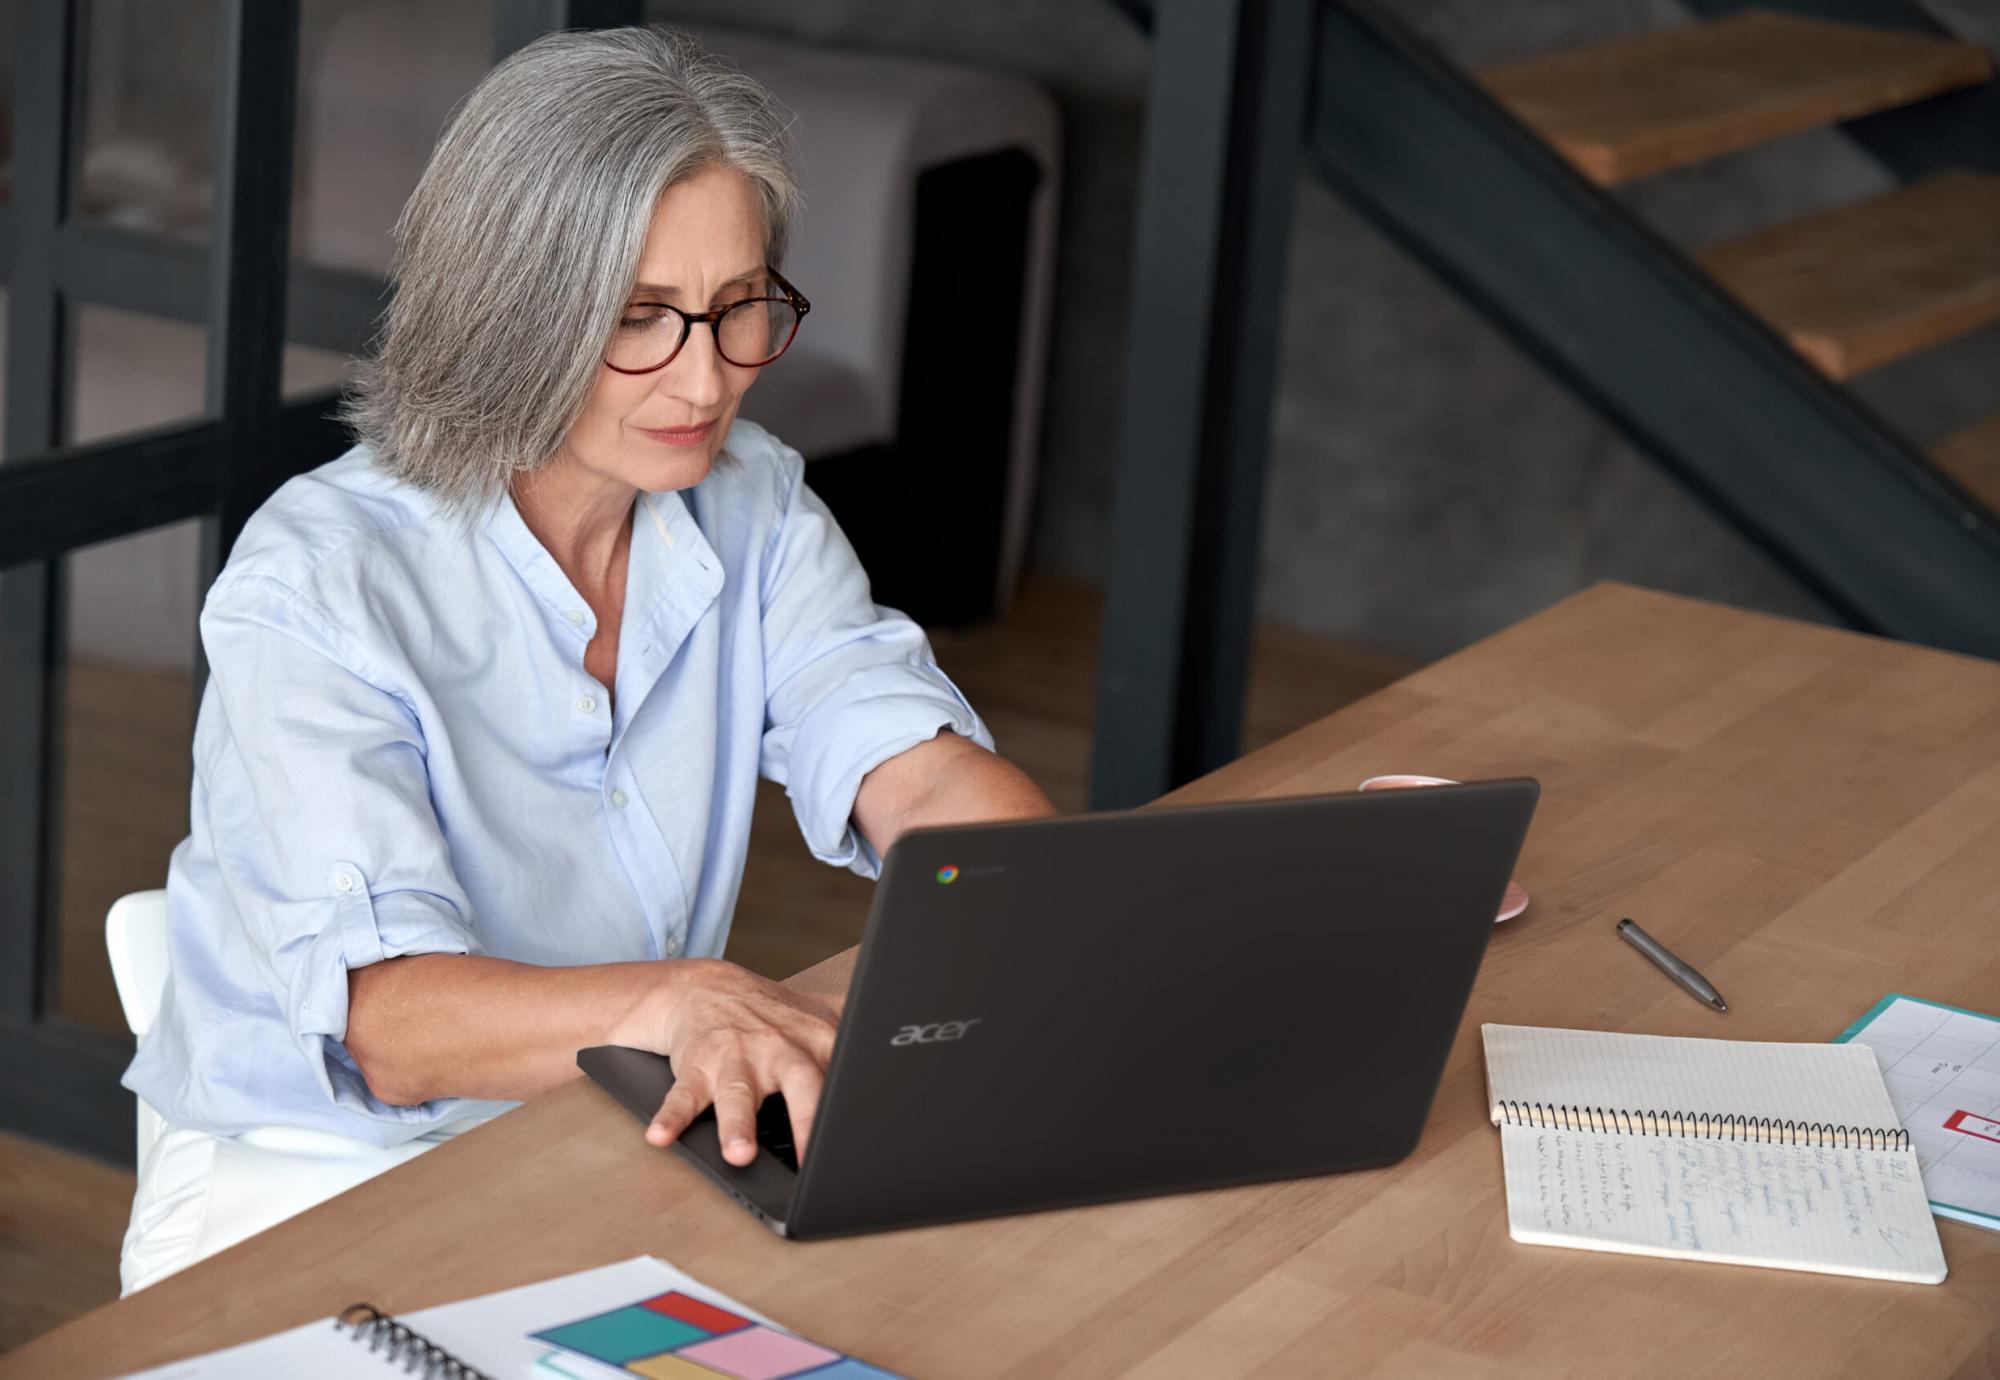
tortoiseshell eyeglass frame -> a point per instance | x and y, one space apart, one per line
793 298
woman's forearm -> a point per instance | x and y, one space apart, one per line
946 780
463 1025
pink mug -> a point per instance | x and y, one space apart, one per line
1516 899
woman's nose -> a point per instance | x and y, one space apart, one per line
696 375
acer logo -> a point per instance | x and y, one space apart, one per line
934 1033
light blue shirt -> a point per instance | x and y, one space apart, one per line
399 752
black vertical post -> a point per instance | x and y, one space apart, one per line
517 23
47 49
1224 128
249 252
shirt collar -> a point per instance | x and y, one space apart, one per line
537 568
672 573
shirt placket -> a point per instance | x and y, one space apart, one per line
679 577
641 846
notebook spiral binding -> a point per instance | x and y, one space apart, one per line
414 1352
1701 1126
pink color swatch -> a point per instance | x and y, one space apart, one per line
758 1353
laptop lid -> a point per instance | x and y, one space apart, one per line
1071 1010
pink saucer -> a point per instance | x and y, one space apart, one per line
1516 898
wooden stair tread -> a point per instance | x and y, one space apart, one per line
1624 108
1864 284
1972 457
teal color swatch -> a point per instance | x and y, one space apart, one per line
623 1334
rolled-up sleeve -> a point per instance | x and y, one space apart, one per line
848 684
323 826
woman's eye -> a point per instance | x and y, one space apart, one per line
641 315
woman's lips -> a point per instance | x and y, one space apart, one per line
681 435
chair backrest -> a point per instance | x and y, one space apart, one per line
135 934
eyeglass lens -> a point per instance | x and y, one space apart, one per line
749 334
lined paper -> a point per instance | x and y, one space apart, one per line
1850 1212
1837 1085
1823 1207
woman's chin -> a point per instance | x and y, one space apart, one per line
667 468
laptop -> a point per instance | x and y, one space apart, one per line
1053 1012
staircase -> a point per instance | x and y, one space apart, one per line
1851 289
1728 365
1623 109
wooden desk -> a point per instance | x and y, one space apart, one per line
1810 817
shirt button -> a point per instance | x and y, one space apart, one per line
344 882
673 945
585 704
575 618
618 798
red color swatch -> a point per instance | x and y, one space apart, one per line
695 1313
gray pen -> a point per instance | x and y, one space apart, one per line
1673 967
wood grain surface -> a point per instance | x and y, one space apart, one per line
1810 817
1870 282
1625 107
1972 457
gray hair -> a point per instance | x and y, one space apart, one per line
516 252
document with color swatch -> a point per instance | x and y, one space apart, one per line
638 1318
1942 1065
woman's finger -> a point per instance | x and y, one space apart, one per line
800 1080
820 1044
684 1102
736 1099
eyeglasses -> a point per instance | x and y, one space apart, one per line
748 334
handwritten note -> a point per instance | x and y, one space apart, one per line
1795 1207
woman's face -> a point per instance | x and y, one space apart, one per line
662 430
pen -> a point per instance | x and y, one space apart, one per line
1673 967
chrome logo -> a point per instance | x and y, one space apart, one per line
947 874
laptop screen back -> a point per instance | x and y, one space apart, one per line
1106 1006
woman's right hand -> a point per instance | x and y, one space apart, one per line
734 1038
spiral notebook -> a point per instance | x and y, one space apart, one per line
1778 1155
638 1318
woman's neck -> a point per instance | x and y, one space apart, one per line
583 520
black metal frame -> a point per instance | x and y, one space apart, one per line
102 265
59 1081
516 23
1224 117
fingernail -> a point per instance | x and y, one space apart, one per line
739 1145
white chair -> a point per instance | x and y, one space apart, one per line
135 934
261 1176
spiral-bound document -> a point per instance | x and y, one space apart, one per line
1784 1156
638 1318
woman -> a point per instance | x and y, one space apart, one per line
489 695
